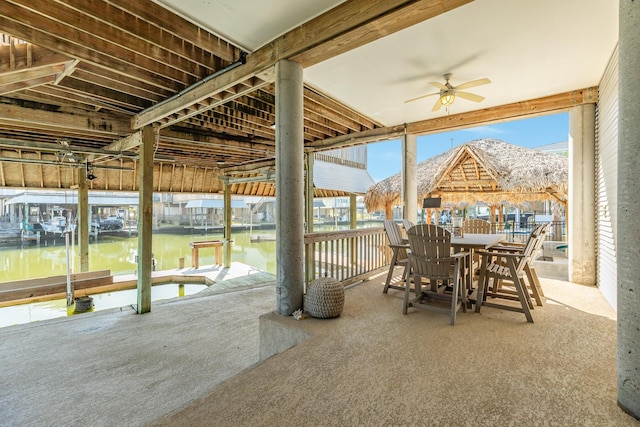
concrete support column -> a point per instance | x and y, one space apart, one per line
145 218
289 188
84 219
409 183
581 210
628 213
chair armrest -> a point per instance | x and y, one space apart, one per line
500 254
509 248
460 254
399 246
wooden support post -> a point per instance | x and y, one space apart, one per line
84 219
227 225
145 219
309 193
353 212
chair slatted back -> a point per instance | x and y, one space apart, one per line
534 242
407 224
476 226
430 251
394 234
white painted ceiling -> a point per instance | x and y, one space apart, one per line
529 49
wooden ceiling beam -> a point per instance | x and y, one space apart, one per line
162 41
105 94
27 84
119 86
88 122
519 110
516 111
39 57
125 66
180 27
31 73
76 27
345 27
94 73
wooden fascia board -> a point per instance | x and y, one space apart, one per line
356 138
93 122
515 111
504 113
340 29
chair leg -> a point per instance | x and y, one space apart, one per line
534 284
522 292
392 266
407 285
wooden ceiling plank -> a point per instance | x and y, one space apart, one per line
178 26
354 23
146 31
113 79
75 27
28 84
79 51
183 112
50 95
108 95
99 123
31 73
29 56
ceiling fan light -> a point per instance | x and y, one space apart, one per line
447 99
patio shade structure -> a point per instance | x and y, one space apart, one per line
484 170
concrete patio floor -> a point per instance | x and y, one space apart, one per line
194 361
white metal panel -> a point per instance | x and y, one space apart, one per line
607 179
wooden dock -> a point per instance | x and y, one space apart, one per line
96 282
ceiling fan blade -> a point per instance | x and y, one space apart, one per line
438 85
437 105
473 83
469 96
420 97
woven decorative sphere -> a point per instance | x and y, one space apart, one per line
325 298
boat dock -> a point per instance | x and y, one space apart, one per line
216 277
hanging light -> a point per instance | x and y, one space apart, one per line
447 99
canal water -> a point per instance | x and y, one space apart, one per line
117 254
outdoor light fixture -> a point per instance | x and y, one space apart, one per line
90 175
447 99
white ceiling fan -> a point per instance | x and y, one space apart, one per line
448 93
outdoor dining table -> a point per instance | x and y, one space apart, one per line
470 242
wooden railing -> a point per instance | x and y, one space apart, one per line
348 256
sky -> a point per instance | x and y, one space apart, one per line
385 158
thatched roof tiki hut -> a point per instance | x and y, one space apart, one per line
484 170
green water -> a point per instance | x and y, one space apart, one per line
118 254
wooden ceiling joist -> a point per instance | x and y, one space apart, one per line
339 30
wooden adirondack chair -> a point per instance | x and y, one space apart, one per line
476 226
502 275
430 258
399 257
